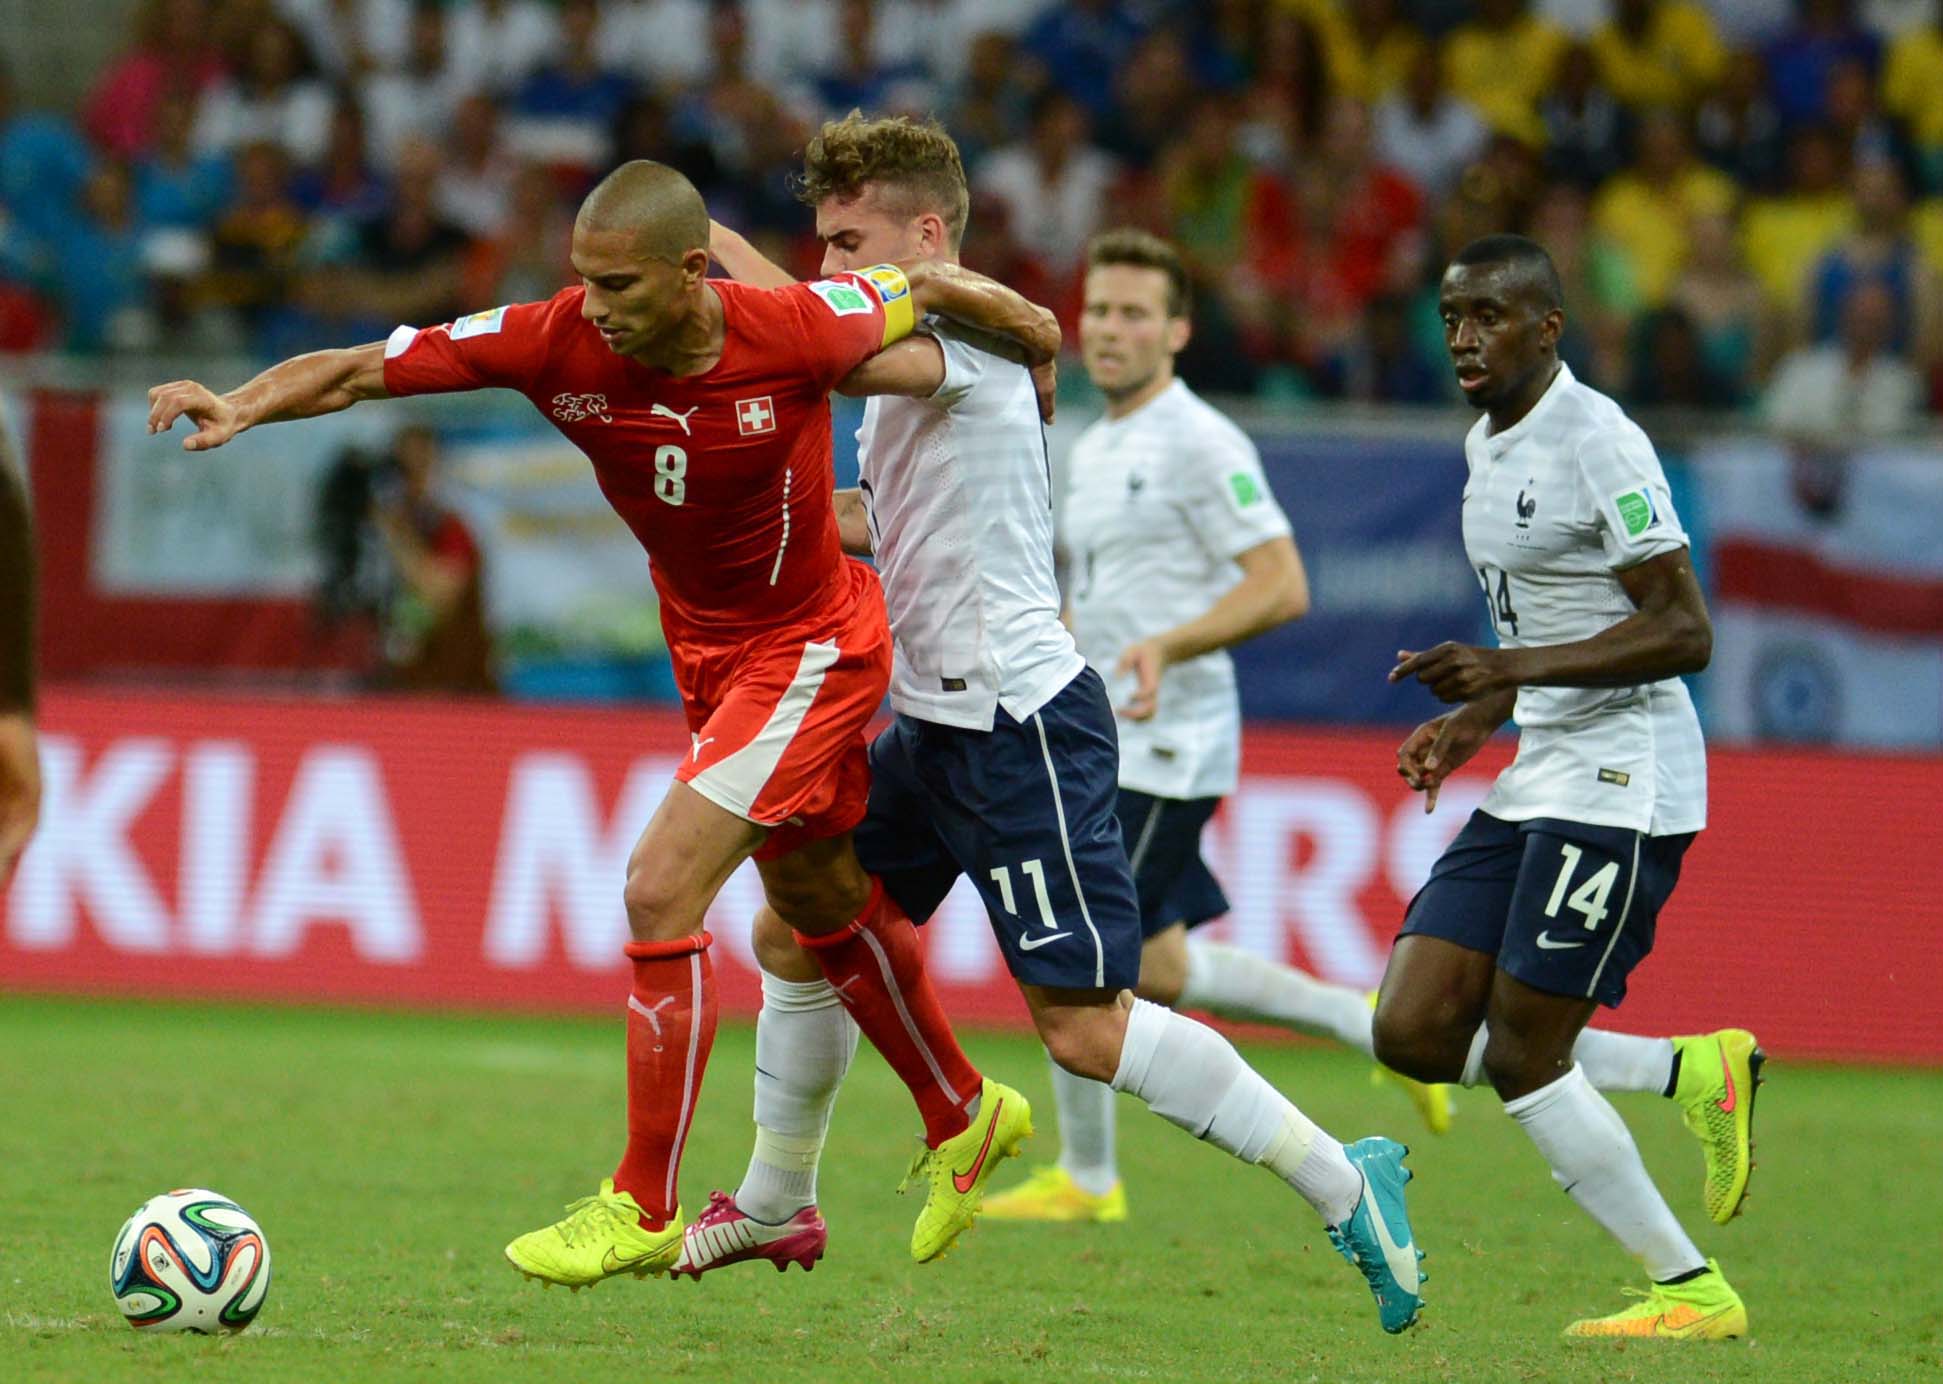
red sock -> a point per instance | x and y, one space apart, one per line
670 1028
877 967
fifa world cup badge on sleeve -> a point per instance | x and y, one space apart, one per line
479 324
845 300
1636 511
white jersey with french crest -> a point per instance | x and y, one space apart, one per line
1555 507
1159 505
959 493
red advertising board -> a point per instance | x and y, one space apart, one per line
426 853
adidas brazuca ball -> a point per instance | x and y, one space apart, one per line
190 1260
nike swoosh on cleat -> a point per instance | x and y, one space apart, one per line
1733 1097
1403 1263
613 1263
963 1181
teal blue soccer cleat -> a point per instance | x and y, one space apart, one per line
1376 1238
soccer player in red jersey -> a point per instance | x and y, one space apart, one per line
702 404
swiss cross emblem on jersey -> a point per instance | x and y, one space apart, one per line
756 415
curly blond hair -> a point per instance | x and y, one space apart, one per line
914 162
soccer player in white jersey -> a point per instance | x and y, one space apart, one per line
1001 765
1176 551
1547 898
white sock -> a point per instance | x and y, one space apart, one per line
1612 1061
1086 1125
1191 1076
1594 1159
804 1043
1237 984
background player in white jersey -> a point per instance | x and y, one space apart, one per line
1547 898
1002 761
1176 551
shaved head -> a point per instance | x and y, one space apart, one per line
654 204
1527 267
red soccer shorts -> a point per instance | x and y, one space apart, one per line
777 724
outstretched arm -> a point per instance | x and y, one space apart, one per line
301 387
951 290
743 261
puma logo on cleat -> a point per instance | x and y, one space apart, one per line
964 1181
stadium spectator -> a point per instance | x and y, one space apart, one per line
939 34
1738 128
1599 283
993 99
1081 44
344 183
476 178
661 42
350 38
1585 128
175 185
44 161
1856 119
1912 92
1501 61
1879 249
1286 100
497 44
527 259
1053 184
275 96
434 618
401 265
99 270
1371 49
172 53
1853 387
1670 368
1802 61
419 96
645 130
563 114
1785 235
1739 329
255 244
1645 209
1426 132
1152 90
856 76
1658 53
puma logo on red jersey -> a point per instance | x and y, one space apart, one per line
663 411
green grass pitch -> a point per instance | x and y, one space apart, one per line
389 1157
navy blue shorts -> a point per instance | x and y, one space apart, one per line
1163 837
1026 810
1565 907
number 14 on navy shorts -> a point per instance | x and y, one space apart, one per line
1566 907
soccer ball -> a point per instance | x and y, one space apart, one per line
190 1260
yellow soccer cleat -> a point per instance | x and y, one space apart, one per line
956 1171
1050 1194
1432 1099
600 1237
1702 1309
1719 1075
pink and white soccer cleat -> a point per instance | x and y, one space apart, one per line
723 1235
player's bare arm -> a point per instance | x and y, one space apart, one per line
853 522
951 290
301 387
19 755
743 261
1273 590
1668 634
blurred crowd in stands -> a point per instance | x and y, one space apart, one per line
1745 197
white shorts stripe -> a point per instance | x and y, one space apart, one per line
1632 880
1139 852
738 779
1066 844
910 1027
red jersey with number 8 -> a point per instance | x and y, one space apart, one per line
724 477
